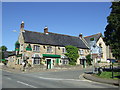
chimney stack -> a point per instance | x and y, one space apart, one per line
46 30
22 25
80 35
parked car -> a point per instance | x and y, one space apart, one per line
112 60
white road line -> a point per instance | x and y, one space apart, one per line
26 84
61 79
9 78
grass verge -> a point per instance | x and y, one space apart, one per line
108 75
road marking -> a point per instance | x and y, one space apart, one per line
61 79
9 78
26 84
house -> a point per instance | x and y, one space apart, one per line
46 48
11 59
7 53
98 55
5 56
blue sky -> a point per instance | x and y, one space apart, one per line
71 18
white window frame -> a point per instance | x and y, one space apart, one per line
64 50
36 48
81 51
65 61
36 59
49 49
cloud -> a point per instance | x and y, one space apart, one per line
14 31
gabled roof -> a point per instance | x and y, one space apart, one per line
95 36
52 39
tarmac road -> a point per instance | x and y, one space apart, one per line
58 79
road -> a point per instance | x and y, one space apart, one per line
58 79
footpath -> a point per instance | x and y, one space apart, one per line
37 69
92 77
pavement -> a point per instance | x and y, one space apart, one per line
92 77
32 70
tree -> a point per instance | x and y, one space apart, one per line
112 30
3 48
88 59
72 54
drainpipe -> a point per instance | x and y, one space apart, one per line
55 50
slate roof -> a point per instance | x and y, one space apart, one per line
52 39
95 36
13 53
8 53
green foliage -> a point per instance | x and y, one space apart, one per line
2 55
72 54
99 61
112 33
17 46
3 48
28 48
19 55
88 59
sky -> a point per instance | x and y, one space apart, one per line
71 18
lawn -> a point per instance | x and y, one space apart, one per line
108 75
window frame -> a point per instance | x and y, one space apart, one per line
64 50
49 49
81 51
36 48
36 61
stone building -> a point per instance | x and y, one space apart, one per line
46 48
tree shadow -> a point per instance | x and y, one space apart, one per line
88 72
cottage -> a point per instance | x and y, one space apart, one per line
101 51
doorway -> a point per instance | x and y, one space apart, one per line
48 63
